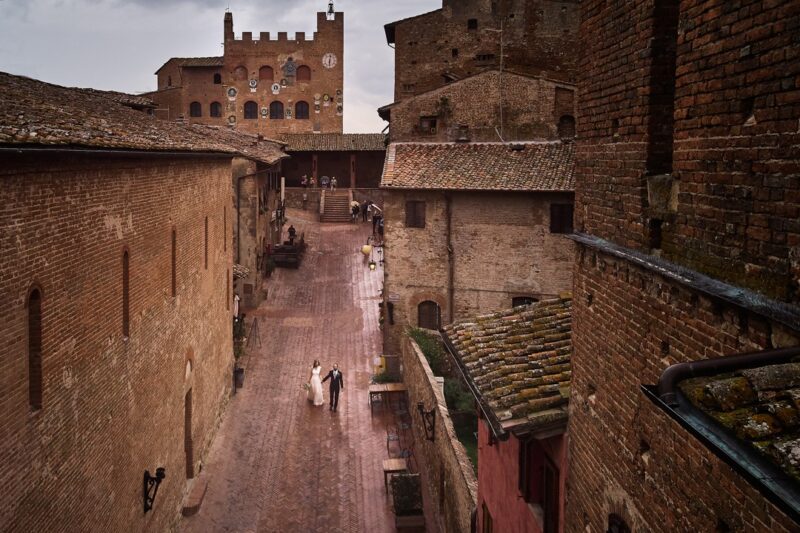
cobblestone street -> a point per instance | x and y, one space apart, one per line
277 463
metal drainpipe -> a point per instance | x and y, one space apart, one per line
450 259
668 382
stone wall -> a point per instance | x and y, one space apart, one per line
449 484
501 248
113 405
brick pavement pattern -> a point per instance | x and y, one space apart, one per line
278 464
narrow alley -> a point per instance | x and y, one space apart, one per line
277 463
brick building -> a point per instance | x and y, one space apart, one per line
483 221
356 159
511 107
115 289
517 365
265 85
687 204
463 38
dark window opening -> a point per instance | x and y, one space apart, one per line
195 109
169 81
454 52
301 110
523 300
654 232
566 127
617 525
748 107
303 73
250 110
174 264
661 99
427 125
126 328
216 109
472 24
561 218
217 79
266 73
428 315
276 110
409 87
550 497
415 214
35 349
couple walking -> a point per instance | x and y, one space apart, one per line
315 385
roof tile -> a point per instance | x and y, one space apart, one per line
334 142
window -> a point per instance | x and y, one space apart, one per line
217 79
415 214
301 110
566 127
35 349
550 497
472 24
169 81
240 73
126 289
205 245
250 110
216 109
266 73
276 110
488 525
427 125
429 316
454 52
617 525
195 109
303 73
174 263
523 300
409 87
560 218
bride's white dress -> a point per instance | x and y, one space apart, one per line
315 392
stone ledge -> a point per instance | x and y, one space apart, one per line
195 497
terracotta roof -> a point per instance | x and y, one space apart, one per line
38 113
528 166
130 100
334 142
247 144
216 61
760 407
519 360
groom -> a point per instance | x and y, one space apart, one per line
337 382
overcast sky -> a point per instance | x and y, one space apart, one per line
119 44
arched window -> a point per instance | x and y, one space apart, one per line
429 315
301 110
217 79
303 73
266 73
240 73
126 326
195 109
276 110
216 109
35 349
566 127
250 110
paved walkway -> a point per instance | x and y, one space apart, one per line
277 463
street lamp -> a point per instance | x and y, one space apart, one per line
150 486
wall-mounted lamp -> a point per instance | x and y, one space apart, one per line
372 264
428 421
151 484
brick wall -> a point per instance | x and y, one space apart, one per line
532 108
111 407
502 248
627 456
538 37
449 484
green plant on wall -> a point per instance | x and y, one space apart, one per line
431 347
407 494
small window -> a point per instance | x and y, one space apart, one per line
428 315
427 125
617 525
301 110
195 109
35 349
240 73
216 109
561 218
276 110
169 81
126 289
523 300
454 52
250 110
488 525
266 73
409 87
550 497
217 79
472 24
566 127
415 214
303 73
174 264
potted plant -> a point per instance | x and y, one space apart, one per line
407 500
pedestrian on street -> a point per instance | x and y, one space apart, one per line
333 184
304 181
315 385
337 383
364 209
354 208
324 181
292 234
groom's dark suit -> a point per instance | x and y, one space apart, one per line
337 382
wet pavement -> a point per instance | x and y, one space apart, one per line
278 464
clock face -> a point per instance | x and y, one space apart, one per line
329 60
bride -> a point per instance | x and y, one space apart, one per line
315 385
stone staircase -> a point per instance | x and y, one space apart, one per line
337 207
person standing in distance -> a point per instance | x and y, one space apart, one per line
337 383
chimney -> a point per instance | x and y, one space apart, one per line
228 26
